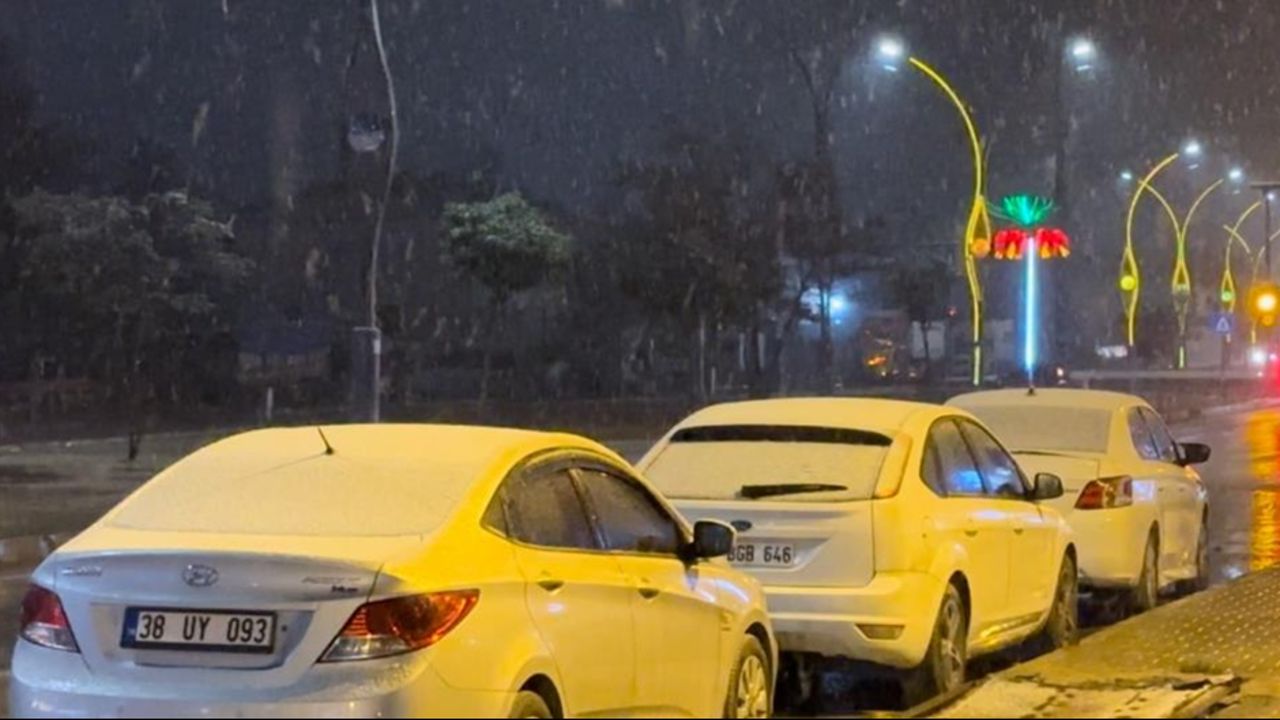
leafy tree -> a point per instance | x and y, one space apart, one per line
920 286
697 253
508 246
131 294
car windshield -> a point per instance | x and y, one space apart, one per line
770 463
1047 429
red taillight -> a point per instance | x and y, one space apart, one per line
43 621
1105 493
400 625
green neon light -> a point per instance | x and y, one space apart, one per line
1026 211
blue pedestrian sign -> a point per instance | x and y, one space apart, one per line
1223 323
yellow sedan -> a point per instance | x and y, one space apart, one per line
395 570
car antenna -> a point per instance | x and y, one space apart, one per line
328 449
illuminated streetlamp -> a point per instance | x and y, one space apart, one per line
891 52
1180 286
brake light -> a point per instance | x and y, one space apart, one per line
400 625
1106 493
43 621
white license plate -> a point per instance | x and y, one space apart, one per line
212 630
763 554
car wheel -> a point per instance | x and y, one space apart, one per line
530 705
1063 626
947 659
749 683
1146 594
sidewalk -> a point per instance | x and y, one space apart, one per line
1175 655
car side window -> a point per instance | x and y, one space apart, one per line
628 516
953 469
1166 446
1141 435
543 508
999 471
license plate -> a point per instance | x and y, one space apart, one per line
233 631
763 554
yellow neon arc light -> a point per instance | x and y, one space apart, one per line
1180 283
1228 288
979 224
1130 271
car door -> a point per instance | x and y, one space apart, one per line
578 596
969 519
1186 493
677 617
1159 479
1033 567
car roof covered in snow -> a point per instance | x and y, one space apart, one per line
379 480
1049 397
879 415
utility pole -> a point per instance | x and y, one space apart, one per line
1268 190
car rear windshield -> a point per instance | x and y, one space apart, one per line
716 463
1050 429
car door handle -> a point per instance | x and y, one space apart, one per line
971 532
647 591
1019 530
550 584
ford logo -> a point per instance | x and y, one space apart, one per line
741 525
200 575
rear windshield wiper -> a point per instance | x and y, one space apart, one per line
755 492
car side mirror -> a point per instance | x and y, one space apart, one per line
1194 453
711 539
1048 487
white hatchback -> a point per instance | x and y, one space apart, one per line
1139 511
892 532
384 571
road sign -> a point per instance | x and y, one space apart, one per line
1223 323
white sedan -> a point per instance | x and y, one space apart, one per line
1139 510
384 571
897 533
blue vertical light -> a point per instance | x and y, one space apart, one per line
1031 305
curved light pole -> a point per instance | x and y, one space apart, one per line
1180 285
978 227
1229 294
1130 271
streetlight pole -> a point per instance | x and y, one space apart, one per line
367 370
891 51
1268 190
1130 271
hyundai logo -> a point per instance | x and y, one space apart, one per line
741 525
200 575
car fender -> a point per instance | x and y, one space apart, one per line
948 559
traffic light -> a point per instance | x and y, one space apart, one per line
1264 304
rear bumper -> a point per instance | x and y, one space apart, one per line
827 621
52 684
1110 545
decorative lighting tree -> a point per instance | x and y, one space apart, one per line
1032 241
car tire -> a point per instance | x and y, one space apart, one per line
1146 595
530 705
1062 628
947 659
750 692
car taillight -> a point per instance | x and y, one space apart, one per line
400 625
1105 493
43 621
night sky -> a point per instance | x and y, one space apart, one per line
560 90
